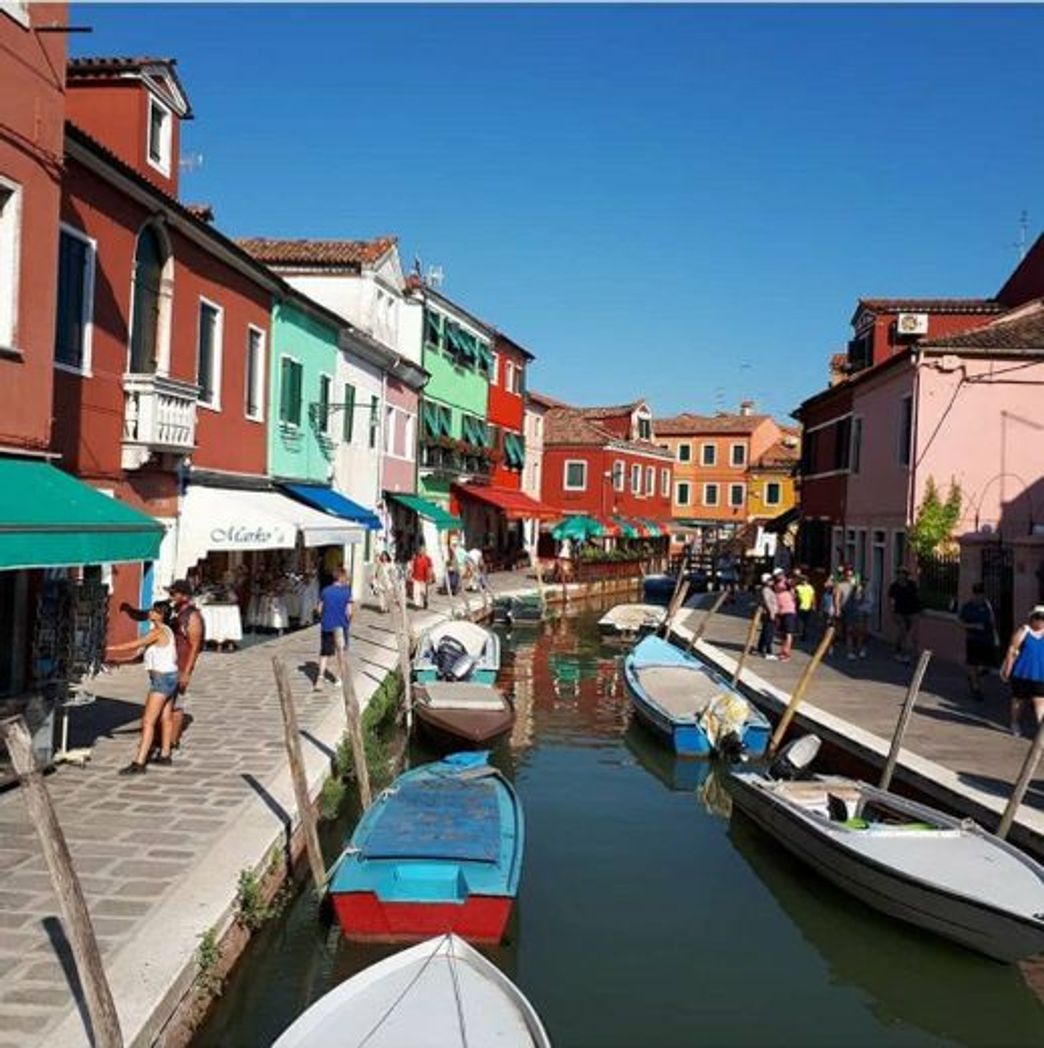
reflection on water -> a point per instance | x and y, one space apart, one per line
645 918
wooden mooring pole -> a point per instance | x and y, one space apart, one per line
353 720
1029 769
673 602
402 629
904 719
76 921
698 633
752 632
292 738
799 692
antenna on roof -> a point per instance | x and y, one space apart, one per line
435 277
190 162
1020 244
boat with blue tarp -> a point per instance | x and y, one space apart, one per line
690 706
439 851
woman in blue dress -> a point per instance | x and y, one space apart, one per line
1024 668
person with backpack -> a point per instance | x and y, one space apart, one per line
980 640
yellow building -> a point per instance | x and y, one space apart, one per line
771 486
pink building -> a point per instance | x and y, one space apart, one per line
962 408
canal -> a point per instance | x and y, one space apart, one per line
646 917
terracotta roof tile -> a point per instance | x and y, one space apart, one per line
612 411
687 424
1021 331
546 401
778 456
564 425
335 253
931 305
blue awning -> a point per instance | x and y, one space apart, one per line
334 502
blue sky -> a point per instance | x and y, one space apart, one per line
681 203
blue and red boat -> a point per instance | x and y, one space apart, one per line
439 851
690 706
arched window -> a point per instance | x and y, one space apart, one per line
151 292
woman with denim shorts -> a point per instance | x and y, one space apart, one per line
161 662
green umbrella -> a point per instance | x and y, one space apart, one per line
577 528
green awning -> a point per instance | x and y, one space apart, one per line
49 519
430 511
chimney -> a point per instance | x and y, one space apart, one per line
746 407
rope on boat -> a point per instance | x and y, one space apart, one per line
456 994
405 990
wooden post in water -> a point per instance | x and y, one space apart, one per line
292 738
76 921
353 719
672 612
697 634
402 629
904 719
752 632
673 602
1029 769
799 692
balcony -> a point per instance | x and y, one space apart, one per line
159 418
452 461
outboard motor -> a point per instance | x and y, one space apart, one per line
460 670
449 653
795 759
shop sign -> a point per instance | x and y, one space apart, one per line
257 536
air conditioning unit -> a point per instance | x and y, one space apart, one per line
912 324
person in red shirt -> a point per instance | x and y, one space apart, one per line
422 574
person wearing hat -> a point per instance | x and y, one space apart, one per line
769 610
1024 668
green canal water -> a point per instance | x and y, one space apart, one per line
646 917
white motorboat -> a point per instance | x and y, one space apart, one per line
441 993
458 650
941 873
631 620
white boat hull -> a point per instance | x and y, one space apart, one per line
979 926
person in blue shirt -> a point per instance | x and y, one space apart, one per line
1024 668
335 616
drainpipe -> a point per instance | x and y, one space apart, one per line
911 490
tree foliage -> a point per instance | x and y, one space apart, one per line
936 518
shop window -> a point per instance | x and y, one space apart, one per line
72 334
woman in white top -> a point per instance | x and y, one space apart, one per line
161 661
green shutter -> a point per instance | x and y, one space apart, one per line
453 344
446 420
284 389
298 373
467 429
375 420
433 326
348 425
430 419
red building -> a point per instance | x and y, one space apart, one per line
160 358
506 412
604 462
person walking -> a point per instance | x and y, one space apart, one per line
980 638
786 609
1024 668
422 575
805 595
826 607
769 610
161 663
845 608
863 611
906 606
383 580
335 616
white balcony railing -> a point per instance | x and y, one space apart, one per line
159 416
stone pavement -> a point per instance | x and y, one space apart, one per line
158 855
969 739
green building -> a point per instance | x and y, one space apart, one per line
454 436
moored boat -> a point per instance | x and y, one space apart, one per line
462 715
525 609
457 651
689 705
441 993
631 620
905 859
439 851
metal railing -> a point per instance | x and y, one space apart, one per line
159 416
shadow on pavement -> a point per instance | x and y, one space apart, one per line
63 951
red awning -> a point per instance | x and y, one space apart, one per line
515 504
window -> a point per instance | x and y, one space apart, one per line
636 480
736 494
375 420
208 358
682 493
159 136
151 301
773 493
708 454
10 220
644 427
434 329
389 430
575 475
255 374
905 429
348 413
842 442
493 368
323 408
619 475
739 454
408 437
809 452
513 378
710 494
685 453
665 483
290 376
72 335
857 445
650 480
898 552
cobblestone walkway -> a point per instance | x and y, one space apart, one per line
134 839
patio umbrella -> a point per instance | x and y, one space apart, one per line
627 529
577 528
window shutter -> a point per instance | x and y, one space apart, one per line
284 390
295 404
348 424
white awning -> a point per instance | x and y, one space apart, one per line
214 519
